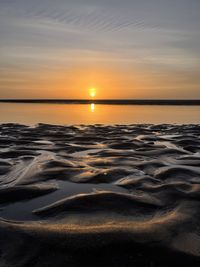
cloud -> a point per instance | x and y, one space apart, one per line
154 36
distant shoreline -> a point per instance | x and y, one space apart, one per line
107 102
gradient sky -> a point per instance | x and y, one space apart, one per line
125 49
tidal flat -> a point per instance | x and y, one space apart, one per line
100 195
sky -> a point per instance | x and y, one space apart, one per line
147 49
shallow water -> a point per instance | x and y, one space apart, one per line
31 114
22 210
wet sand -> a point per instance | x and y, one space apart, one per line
100 195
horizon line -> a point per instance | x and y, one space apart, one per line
106 101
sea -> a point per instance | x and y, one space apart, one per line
92 113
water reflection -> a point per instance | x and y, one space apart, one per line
92 107
90 114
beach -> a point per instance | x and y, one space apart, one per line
99 195
99 133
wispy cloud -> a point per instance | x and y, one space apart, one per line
158 37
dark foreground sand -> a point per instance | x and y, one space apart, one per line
100 195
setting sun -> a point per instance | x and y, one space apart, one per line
92 92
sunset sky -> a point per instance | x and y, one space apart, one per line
121 49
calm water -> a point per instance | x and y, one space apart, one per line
89 114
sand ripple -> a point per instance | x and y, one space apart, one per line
133 190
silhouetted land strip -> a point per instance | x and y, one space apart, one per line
192 102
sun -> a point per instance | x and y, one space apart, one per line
92 92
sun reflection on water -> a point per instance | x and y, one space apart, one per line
92 107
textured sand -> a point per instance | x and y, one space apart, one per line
100 195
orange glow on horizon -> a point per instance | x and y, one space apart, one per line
93 83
